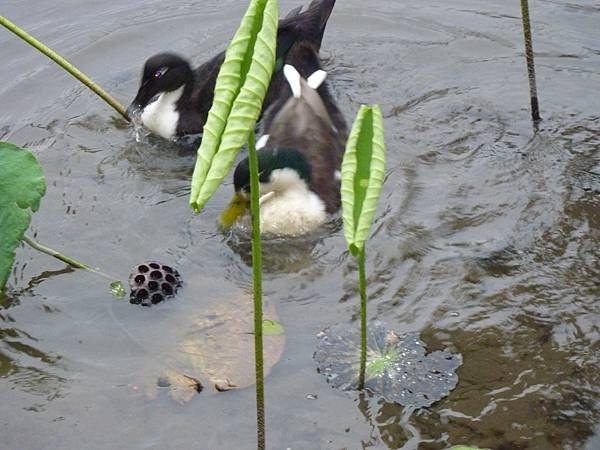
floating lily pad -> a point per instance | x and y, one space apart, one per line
397 367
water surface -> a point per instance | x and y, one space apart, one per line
486 240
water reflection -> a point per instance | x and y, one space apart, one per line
26 367
502 401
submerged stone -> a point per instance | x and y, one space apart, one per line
397 367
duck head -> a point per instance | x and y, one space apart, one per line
281 171
165 77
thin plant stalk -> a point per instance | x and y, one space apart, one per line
257 283
65 65
535 107
362 287
64 258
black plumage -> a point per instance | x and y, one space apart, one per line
297 32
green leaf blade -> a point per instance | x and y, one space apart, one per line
363 172
239 93
22 186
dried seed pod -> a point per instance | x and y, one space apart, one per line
152 282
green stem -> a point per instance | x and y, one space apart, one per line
362 287
257 279
535 107
64 258
65 65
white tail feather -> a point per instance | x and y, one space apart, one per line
262 141
293 78
316 79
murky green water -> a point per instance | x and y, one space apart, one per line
486 241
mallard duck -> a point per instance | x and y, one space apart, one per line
299 159
173 100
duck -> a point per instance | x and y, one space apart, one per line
299 159
173 99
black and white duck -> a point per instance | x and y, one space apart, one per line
299 159
173 99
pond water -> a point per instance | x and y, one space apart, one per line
486 241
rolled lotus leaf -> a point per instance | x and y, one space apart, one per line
240 89
363 170
22 186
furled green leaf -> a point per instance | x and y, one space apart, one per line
22 186
239 93
363 170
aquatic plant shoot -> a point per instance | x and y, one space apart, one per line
239 93
363 171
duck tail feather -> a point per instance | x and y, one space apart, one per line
322 10
294 12
262 141
293 78
316 79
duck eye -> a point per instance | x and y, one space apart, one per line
160 72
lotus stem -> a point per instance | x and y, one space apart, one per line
64 258
535 107
362 287
65 65
257 283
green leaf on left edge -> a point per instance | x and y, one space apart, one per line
22 186
363 171
240 89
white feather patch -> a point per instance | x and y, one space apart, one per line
293 78
316 79
161 116
262 141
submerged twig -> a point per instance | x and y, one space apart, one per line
65 65
535 107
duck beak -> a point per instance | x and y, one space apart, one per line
134 110
144 97
237 208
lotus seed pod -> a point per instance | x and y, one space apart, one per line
152 282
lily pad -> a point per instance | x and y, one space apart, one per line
397 368
22 186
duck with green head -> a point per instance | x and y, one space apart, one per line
299 159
